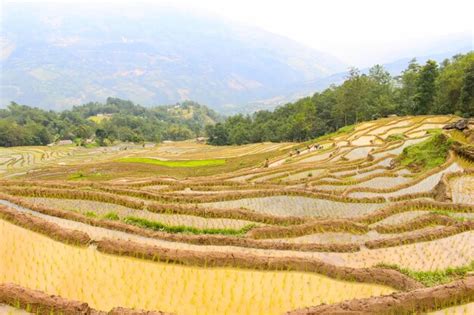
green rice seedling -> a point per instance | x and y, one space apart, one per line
90 214
436 277
111 216
395 137
158 226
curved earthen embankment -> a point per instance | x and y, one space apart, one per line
418 179
416 301
442 191
239 214
405 206
382 276
387 277
412 196
222 240
122 196
466 151
40 303
213 240
423 221
421 236
44 227
316 226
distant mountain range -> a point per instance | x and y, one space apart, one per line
310 87
56 56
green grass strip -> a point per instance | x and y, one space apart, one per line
176 163
449 214
427 154
111 216
157 226
432 278
91 214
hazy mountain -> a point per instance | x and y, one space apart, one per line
458 43
62 55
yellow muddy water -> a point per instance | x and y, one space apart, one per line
104 281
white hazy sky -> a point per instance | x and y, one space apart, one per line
359 32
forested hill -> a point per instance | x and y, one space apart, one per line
431 88
104 123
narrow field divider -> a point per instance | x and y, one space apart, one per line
317 226
42 303
50 229
382 276
413 302
195 239
428 235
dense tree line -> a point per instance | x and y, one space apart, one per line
420 89
116 120
447 88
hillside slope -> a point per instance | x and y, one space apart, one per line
160 56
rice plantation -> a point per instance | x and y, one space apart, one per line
269 228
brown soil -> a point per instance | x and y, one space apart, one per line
387 277
441 191
317 226
416 301
417 223
128 311
239 214
410 206
44 227
41 303
466 151
417 195
428 235
38 302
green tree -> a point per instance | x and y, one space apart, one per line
380 93
426 88
467 92
218 135
407 82
101 134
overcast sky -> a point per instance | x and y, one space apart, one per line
359 32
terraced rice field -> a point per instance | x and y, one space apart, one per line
456 310
462 189
299 206
106 281
454 251
101 209
266 231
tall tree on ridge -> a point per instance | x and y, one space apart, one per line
426 88
467 92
